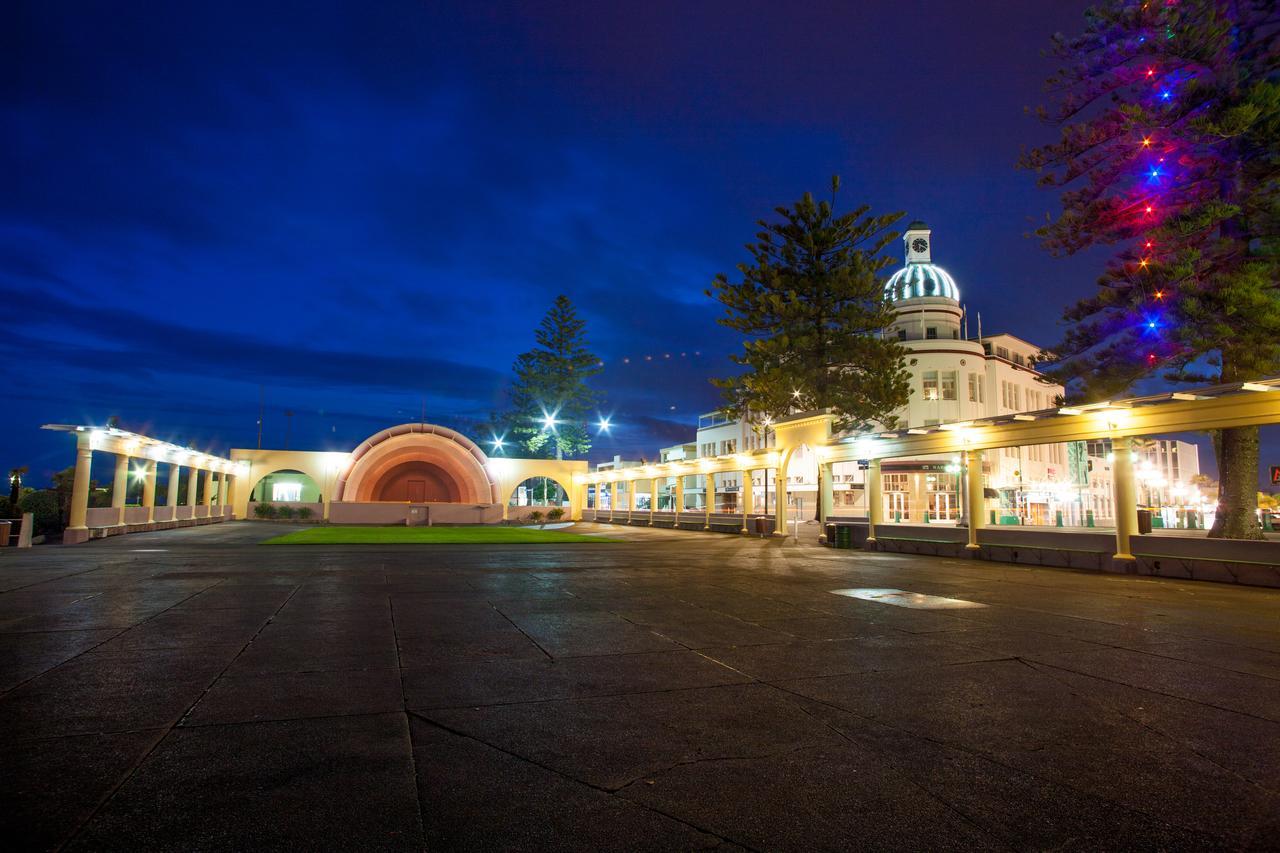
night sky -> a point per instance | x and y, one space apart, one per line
359 205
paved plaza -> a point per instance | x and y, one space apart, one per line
189 690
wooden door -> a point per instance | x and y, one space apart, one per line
417 491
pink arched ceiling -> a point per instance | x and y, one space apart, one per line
381 458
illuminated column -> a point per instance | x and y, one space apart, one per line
748 497
653 498
175 474
826 499
780 520
120 486
679 497
222 489
193 487
613 498
874 502
78 529
631 498
231 496
973 498
1125 496
208 487
149 490
709 494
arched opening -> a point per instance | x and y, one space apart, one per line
800 477
417 481
539 491
285 486
417 463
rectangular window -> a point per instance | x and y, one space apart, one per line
1002 352
902 334
930 378
729 446
931 332
1017 398
286 492
1018 359
949 384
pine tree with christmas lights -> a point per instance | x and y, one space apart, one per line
1170 150
812 308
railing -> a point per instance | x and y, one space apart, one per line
692 520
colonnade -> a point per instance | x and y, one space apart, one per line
631 487
216 493
1123 485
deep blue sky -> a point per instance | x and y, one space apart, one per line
357 204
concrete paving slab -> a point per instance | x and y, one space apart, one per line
548 698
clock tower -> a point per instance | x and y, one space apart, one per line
917 243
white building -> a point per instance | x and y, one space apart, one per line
954 378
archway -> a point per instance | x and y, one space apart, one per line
417 482
285 485
539 491
418 463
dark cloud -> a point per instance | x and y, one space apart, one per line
356 205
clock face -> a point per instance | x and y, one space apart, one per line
919 244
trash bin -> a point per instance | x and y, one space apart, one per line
1144 521
843 536
831 535
761 530
5 527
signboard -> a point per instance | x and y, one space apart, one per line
1275 475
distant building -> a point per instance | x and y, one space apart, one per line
955 377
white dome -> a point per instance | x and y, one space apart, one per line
917 280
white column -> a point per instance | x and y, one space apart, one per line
780 520
120 486
709 498
193 487
175 474
149 490
80 490
679 497
826 499
1125 494
208 487
973 498
231 495
747 490
874 502
653 498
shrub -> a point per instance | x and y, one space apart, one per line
555 514
265 511
285 512
43 505
534 517
304 512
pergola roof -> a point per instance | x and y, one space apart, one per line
120 441
1212 407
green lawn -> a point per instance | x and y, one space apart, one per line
429 536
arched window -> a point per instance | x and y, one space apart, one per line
539 491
